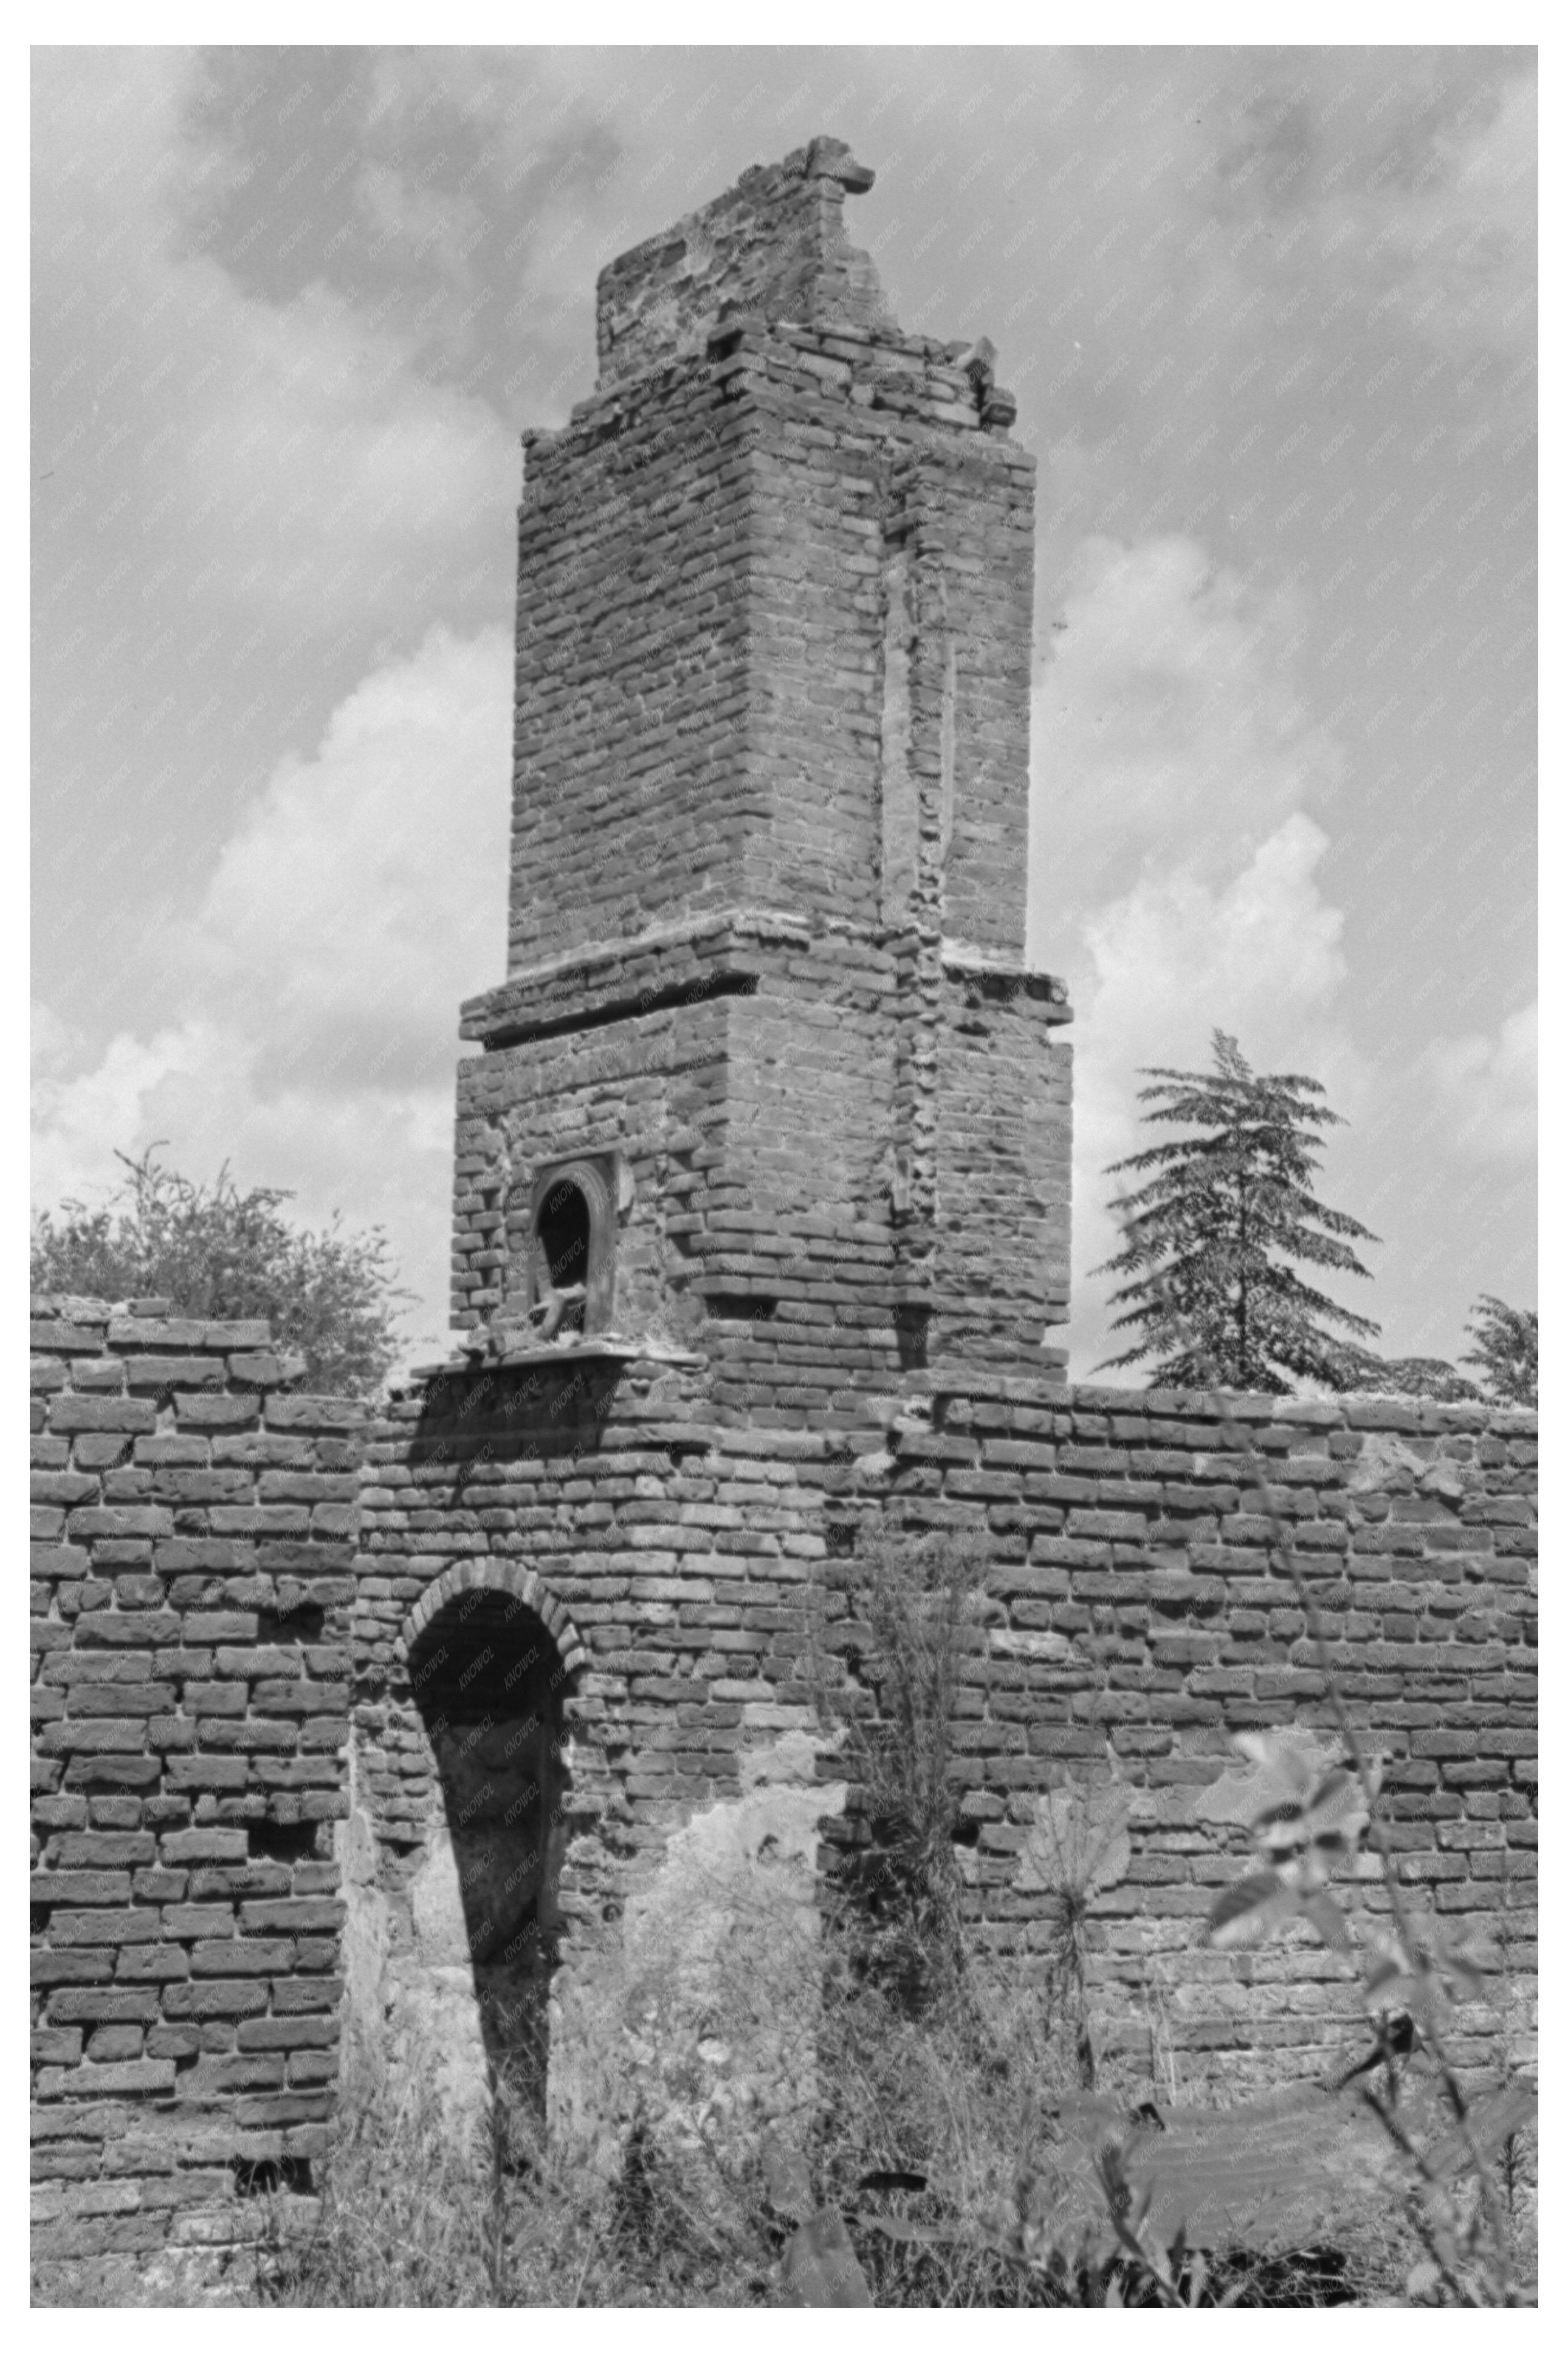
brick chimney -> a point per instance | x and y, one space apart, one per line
766 1008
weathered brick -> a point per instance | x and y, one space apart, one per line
132 1415
79 1887
90 2081
214 1996
196 1410
105 1926
293 1916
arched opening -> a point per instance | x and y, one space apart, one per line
488 1682
562 1235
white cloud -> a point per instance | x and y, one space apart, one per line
366 876
1486 1090
1174 871
81 1120
290 460
317 989
1166 725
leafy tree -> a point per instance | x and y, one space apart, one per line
1412 1377
212 1250
1507 1344
1210 1236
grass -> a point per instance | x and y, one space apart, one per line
953 2098
937 2071
412 2215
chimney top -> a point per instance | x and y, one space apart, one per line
830 159
771 247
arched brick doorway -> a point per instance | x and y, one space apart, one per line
490 1658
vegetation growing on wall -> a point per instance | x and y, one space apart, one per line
215 1252
1506 1353
916 1613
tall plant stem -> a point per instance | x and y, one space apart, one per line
1283 1550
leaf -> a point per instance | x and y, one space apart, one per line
1267 2173
1250 1909
1388 1970
1513 2110
1324 1830
1079 1843
1287 1755
1327 1920
1284 1769
1492 2121
1462 1957
819 2266
1443 1963
1422 2280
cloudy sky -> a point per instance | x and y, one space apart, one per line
1271 318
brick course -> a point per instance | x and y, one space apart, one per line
190 1663
1136 1627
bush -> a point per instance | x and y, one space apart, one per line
213 1251
413 2214
916 1612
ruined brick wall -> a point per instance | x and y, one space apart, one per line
634 1598
774 245
672 1545
630 805
1135 1626
1138 1626
646 1573
655 1589
192 1542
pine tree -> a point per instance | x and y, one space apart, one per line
1211 1236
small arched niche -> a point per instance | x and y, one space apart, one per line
562 1235
490 1682
571 1248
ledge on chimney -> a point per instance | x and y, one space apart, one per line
578 1349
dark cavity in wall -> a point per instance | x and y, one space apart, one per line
486 1677
279 1841
740 1307
564 1233
911 1329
